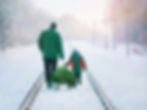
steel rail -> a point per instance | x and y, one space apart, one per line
100 92
32 94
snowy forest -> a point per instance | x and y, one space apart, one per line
20 23
129 22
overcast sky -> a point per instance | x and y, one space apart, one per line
89 11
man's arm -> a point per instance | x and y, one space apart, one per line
60 46
40 42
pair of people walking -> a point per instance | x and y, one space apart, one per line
50 45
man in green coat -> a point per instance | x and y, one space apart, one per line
50 45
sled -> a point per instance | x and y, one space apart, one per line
63 76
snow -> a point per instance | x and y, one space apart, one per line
19 68
82 97
122 77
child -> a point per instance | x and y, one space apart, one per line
77 63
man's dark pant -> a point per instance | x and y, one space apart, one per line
50 66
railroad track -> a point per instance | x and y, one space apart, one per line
32 94
101 95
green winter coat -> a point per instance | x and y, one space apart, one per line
50 44
76 58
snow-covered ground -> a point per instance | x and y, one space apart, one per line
19 68
123 79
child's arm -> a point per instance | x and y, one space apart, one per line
70 63
83 64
